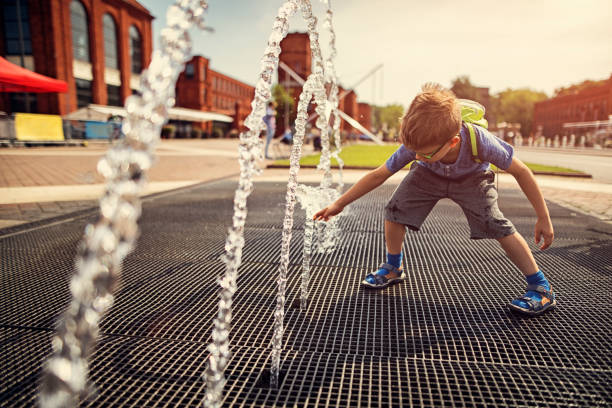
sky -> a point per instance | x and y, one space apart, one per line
537 44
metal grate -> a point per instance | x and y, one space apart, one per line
443 338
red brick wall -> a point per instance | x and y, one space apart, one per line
591 104
341 91
48 61
125 15
231 97
351 108
190 91
213 91
296 53
52 46
365 115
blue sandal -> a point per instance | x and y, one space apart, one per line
382 281
536 307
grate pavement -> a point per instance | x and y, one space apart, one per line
442 338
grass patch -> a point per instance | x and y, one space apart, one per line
556 169
354 155
372 156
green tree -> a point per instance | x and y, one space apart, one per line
572 89
388 115
516 106
285 114
464 89
511 105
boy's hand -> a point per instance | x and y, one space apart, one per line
544 229
328 212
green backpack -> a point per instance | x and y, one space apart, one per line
473 113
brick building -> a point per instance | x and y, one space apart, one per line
350 106
99 47
563 115
296 53
365 115
201 88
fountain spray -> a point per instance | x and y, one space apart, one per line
107 242
251 153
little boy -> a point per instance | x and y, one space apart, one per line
432 133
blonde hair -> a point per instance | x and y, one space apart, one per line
434 116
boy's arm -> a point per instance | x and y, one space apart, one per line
525 179
366 184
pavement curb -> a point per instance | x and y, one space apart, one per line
540 173
93 210
47 222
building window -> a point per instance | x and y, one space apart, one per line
189 71
17 37
84 94
135 50
114 95
111 56
80 31
22 102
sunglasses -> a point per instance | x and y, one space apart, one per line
432 154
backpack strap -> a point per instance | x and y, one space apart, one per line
473 142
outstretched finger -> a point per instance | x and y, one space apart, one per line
547 241
320 217
538 236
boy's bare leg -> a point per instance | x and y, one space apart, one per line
394 237
517 250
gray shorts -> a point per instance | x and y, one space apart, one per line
476 194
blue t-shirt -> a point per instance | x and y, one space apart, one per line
491 149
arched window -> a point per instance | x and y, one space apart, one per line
111 59
80 31
135 50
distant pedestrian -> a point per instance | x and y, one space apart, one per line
441 140
287 136
114 122
270 121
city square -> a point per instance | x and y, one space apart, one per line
147 261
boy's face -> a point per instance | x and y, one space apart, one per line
433 153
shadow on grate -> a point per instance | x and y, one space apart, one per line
130 371
441 338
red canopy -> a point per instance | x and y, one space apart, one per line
14 78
